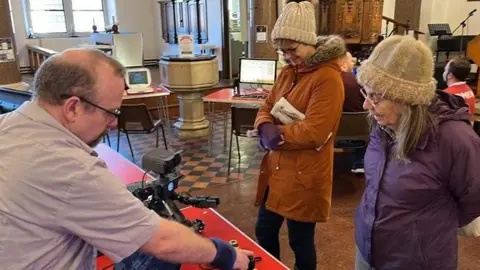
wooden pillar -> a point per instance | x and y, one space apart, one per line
9 69
264 14
408 10
226 69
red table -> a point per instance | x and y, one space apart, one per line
128 172
215 224
218 226
225 97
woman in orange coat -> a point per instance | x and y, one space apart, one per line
296 173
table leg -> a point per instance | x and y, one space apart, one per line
160 107
225 125
210 132
167 114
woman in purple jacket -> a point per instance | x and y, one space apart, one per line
421 166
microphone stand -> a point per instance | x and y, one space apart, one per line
463 24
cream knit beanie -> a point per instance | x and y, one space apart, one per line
297 23
402 68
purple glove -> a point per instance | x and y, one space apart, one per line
261 147
270 135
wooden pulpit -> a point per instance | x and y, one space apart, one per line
473 52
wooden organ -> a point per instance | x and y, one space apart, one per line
358 21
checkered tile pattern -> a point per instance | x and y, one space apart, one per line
199 169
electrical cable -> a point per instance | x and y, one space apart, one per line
143 178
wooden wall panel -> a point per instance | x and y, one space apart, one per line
348 19
265 13
358 21
408 10
372 20
10 71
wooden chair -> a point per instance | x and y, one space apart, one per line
136 119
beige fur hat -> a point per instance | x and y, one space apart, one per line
297 23
402 68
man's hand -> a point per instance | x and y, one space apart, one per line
242 259
252 133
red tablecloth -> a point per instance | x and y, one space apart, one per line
218 226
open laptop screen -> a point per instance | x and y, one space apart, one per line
138 77
258 71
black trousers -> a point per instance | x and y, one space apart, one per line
300 234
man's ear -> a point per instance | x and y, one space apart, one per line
72 108
341 63
450 76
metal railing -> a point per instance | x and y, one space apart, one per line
399 28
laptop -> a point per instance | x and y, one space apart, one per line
256 77
138 80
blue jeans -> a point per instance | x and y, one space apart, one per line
301 236
359 148
142 261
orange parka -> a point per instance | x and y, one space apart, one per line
299 176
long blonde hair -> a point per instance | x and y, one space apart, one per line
414 122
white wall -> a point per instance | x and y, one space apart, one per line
214 24
388 11
138 16
20 32
433 12
452 12
461 10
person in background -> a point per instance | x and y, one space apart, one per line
455 75
422 181
59 203
353 103
353 97
295 181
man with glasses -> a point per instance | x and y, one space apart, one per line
58 201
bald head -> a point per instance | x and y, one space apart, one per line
346 62
72 72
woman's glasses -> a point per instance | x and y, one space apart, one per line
292 50
373 98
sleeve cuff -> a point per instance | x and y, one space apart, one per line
226 255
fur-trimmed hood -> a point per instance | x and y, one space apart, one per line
328 48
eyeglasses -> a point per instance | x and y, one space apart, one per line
373 98
111 115
287 51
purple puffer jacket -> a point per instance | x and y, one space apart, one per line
410 212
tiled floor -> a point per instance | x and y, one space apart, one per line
199 169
